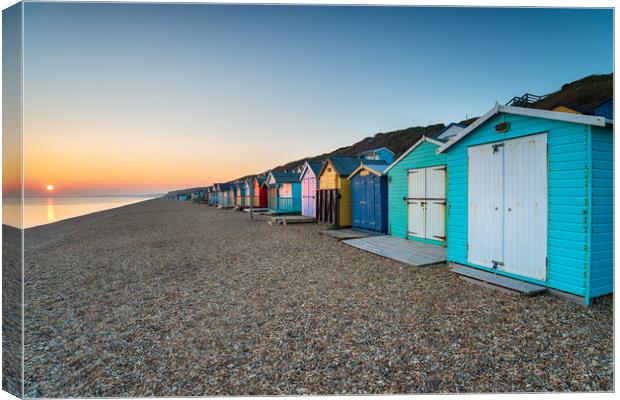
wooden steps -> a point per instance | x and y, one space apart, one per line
290 219
497 282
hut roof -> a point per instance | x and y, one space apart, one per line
314 166
528 112
285 177
260 179
581 110
378 170
345 165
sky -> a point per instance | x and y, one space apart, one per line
146 98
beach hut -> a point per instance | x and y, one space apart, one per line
605 109
232 194
236 194
333 197
417 190
531 198
369 190
284 192
259 193
382 153
224 195
247 192
309 185
183 197
241 194
215 194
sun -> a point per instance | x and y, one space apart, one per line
49 188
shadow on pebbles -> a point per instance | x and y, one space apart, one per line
167 298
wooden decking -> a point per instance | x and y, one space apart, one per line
290 219
256 210
403 250
496 281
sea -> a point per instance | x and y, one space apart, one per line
46 210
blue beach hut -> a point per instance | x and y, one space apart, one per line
224 197
605 109
531 198
215 194
382 153
369 191
283 192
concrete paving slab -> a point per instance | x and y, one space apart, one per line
403 250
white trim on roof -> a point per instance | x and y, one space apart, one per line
528 112
364 166
410 149
304 169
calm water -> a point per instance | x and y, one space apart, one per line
45 210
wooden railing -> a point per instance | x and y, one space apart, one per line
525 101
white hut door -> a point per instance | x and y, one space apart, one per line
525 208
435 203
485 227
416 201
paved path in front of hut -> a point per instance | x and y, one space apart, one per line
403 250
350 233
170 298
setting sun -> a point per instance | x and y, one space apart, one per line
49 188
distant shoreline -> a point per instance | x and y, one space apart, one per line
152 196
66 212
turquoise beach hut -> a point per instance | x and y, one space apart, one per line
417 190
283 192
531 197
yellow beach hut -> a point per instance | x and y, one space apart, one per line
333 197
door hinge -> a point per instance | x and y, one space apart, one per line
495 264
497 146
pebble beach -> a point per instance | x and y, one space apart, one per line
169 298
